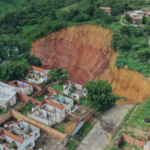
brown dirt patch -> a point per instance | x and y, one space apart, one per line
92 120
83 50
130 84
69 127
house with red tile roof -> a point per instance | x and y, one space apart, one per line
18 135
47 112
107 9
37 75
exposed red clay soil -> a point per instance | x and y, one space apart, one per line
83 50
130 84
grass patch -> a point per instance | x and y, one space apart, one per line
72 145
27 109
27 28
40 97
83 131
141 113
58 87
84 102
61 128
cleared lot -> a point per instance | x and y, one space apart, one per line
101 133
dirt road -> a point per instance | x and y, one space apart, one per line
100 135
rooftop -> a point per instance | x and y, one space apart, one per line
109 8
6 92
37 69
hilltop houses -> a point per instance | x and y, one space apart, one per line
18 136
75 91
37 75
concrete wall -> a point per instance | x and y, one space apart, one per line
88 116
5 117
130 140
43 127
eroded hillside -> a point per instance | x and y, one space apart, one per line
83 50
130 84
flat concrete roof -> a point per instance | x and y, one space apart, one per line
6 92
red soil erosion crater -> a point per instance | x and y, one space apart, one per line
83 50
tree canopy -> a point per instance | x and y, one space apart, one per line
99 94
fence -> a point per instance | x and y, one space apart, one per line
43 127
22 98
5 117
130 140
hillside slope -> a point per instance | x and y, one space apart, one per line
130 84
83 50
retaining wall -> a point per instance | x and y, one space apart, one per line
5 117
130 140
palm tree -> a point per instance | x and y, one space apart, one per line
59 74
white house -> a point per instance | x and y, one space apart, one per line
37 75
18 136
78 91
21 87
47 112
63 100
7 95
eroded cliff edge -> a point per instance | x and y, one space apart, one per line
83 50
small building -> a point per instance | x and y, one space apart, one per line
21 87
37 75
18 136
7 95
47 112
137 16
107 9
78 91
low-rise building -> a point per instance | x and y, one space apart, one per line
18 136
7 95
107 9
137 16
47 112
37 75
21 87
74 90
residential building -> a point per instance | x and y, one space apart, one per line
78 91
47 112
137 16
21 87
18 136
107 9
68 103
7 95
57 97
37 75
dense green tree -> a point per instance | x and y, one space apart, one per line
144 54
125 30
13 71
100 95
59 74
33 60
128 18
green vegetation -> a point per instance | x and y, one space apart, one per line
84 102
72 145
122 144
141 113
58 87
61 127
83 131
27 109
59 74
100 95
3 111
